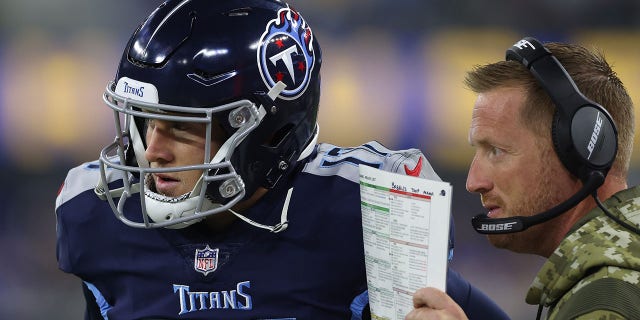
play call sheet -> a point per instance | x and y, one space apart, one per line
405 224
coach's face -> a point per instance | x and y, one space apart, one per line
515 170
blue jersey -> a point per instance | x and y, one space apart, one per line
313 270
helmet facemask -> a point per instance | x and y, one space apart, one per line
219 187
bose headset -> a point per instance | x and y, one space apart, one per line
584 136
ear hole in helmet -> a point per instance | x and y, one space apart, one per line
279 136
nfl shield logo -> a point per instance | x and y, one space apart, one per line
206 260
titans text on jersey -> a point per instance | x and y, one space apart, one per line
191 301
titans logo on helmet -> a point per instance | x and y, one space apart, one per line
285 53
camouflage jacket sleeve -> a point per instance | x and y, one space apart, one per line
609 293
597 266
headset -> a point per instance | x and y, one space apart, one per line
584 135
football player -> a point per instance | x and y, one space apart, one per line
215 201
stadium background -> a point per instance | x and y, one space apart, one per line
392 72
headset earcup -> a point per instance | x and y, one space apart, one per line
562 143
595 137
585 143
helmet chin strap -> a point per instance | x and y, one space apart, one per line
284 223
185 205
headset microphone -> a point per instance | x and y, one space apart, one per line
485 225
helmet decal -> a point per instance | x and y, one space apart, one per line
137 90
285 53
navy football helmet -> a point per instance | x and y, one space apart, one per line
252 67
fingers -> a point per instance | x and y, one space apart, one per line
431 298
431 303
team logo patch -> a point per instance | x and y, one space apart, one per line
285 53
206 260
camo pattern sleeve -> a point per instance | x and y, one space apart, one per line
597 248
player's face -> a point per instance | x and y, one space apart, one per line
515 171
173 144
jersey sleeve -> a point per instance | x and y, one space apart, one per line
344 162
73 206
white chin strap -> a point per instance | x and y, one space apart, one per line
284 223
161 208
184 206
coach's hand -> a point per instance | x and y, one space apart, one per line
431 303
